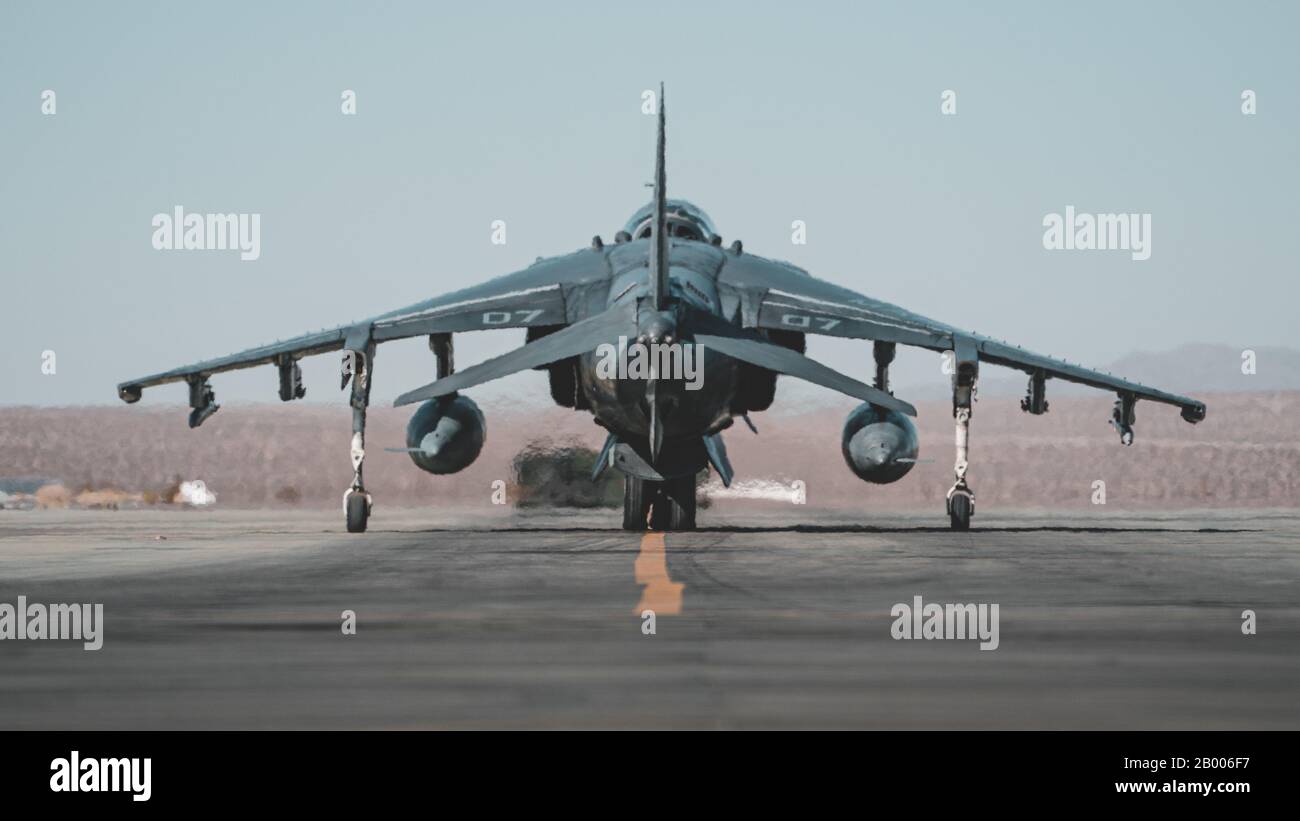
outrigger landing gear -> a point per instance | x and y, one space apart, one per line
357 503
961 499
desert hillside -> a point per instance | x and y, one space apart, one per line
1246 454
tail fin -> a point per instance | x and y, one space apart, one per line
659 239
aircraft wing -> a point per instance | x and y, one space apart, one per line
777 295
542 294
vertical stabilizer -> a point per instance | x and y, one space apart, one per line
658 237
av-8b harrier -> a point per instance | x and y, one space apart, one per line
665 282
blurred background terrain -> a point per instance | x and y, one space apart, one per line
1245 454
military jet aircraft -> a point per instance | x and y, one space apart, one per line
665 280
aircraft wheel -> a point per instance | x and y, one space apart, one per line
674 507
637 494
358 508
959 511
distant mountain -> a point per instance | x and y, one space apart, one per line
1245 454
1213 369
1190 369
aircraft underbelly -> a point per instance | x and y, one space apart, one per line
620 404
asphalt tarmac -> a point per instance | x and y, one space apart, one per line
234 619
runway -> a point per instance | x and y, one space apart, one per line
232 619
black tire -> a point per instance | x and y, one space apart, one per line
637 495
358 512
674 506
959 512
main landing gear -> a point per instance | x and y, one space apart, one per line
666 505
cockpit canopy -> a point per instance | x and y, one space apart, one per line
684 221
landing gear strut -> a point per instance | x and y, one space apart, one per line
357 503
961 499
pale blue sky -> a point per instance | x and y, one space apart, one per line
825 112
